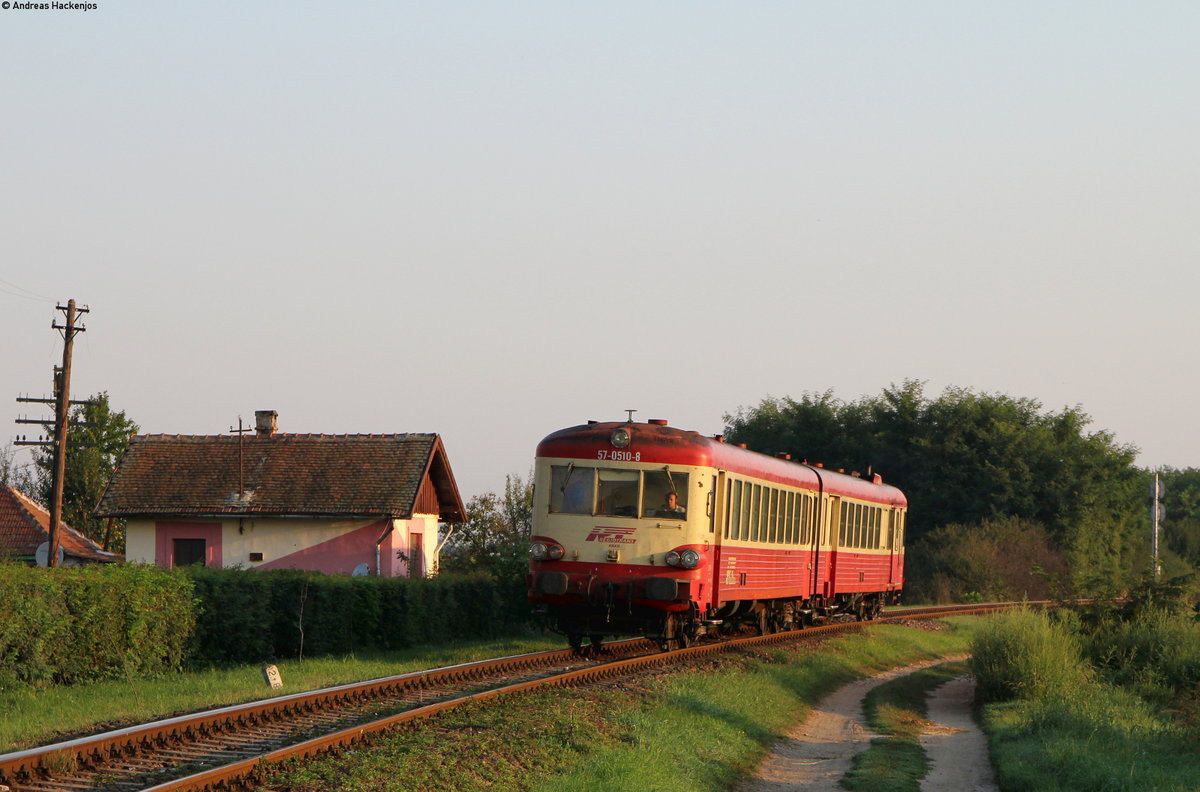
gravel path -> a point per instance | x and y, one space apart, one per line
816 754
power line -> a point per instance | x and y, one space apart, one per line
27 295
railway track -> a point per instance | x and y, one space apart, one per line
221 749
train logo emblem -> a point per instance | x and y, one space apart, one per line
611 535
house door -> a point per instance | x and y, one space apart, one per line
416 549
188 552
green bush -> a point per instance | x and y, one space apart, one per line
72 624
1023 654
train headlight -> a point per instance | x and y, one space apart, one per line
545 551
686 558
620 437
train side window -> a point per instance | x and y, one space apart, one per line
747 510
789 512
735 512
618 492
756 513
876 533
773 517
656 485
764 516
729 509
571 489
806 518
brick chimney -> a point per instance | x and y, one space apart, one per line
264 422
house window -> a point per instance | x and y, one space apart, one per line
187 552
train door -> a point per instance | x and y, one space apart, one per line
829 541
897 560
718 530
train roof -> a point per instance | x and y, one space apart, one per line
655 441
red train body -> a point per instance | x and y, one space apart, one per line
644 529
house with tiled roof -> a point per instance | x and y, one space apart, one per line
25 526
340 504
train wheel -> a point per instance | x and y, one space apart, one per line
575 640
596 640
687 636
668 642
764 621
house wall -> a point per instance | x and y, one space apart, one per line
330 546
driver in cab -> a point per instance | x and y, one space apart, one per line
671 507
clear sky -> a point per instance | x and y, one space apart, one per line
492 220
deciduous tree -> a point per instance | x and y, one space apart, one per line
97 436
495 537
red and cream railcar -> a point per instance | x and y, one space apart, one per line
644 529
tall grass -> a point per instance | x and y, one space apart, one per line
1059 725
1155 653
1023 654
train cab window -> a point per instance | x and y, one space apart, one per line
657 488
572 489
618 492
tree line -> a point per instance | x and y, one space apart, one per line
1006 499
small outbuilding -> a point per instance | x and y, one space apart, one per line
340 504
25 535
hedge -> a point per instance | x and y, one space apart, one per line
67 625
248 617
73 624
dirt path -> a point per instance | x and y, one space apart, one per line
816 754
957 749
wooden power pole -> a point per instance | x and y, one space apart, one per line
62 405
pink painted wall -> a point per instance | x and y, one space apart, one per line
339 555
166 532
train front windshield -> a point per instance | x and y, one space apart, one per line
618 492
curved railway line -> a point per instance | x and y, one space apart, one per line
220 749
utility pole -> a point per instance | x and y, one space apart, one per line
62 405
1158 491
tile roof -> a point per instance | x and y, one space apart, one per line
24 525
282 474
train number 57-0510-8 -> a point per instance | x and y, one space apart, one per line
619 456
